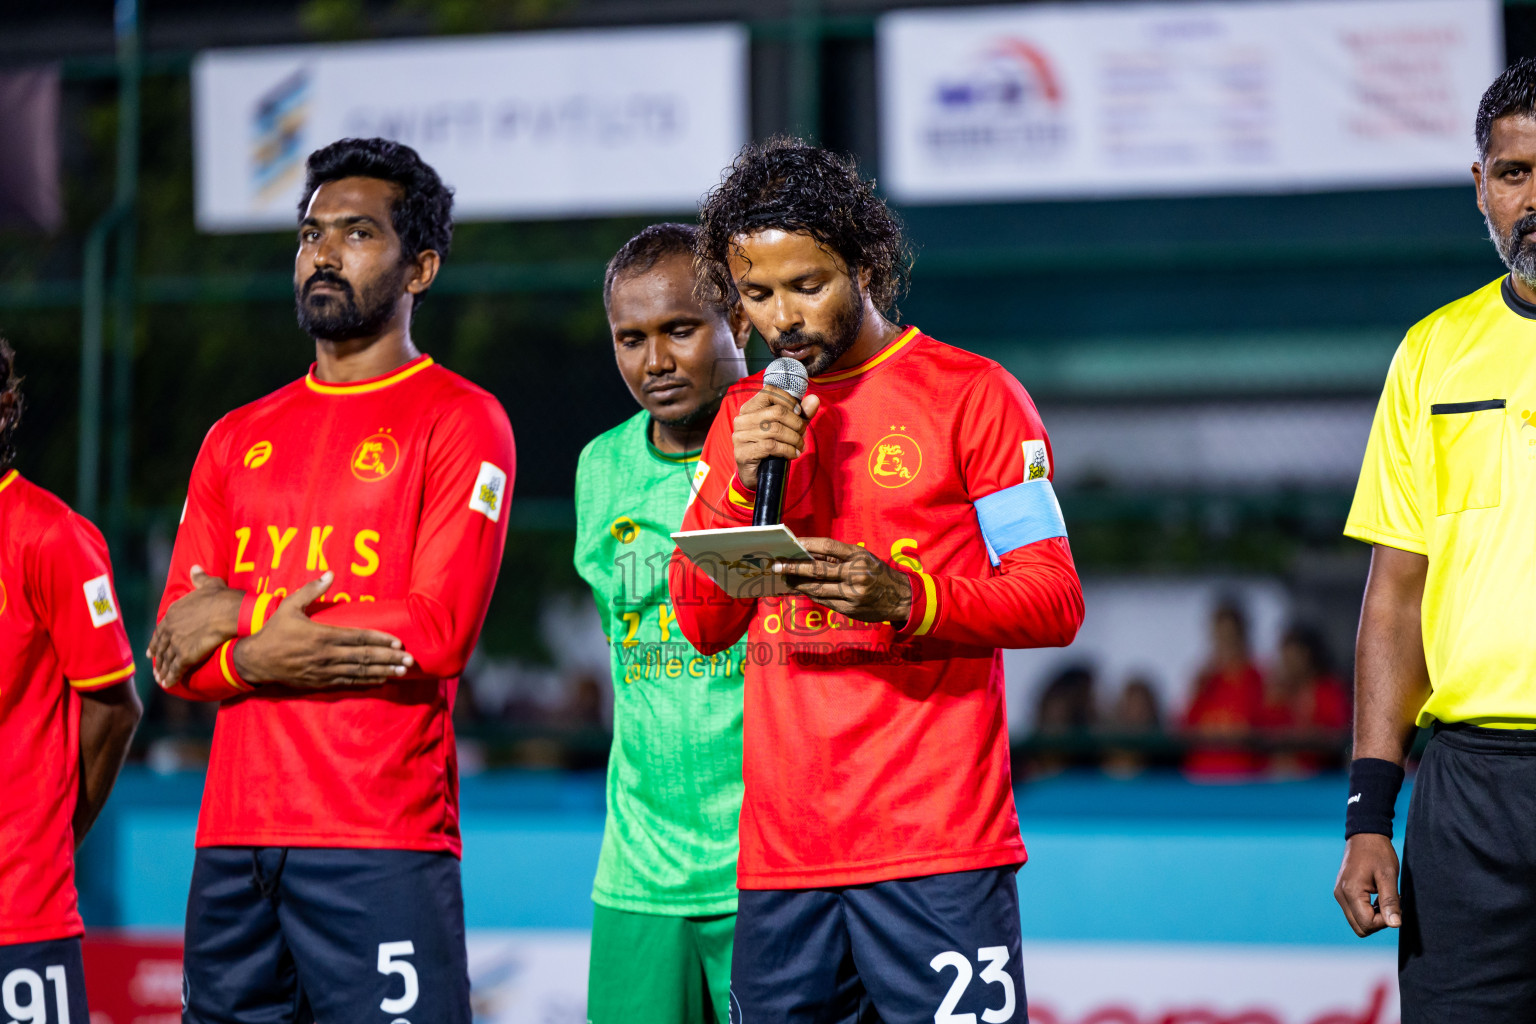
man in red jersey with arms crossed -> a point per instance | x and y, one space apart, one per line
879 840
330 577
67 713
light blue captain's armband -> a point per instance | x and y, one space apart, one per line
1019 515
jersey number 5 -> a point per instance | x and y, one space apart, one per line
389 963
995 958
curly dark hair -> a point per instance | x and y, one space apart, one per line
422 216
11 404
791 185
1513 92
652 245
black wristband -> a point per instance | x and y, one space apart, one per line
1373 788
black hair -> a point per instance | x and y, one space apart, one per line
791 185
650 247
1310 639
1143 684
11 404
1230 607
1073 687
1513 92
423 214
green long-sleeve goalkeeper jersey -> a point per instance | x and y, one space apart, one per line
674 774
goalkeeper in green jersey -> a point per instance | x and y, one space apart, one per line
665 892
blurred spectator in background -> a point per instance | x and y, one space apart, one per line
1228 702
1066 713
1136 716
1305 702
584 704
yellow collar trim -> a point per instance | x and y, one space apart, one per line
676 458
9 478
870 363
363 386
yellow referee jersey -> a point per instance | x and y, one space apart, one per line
1450 473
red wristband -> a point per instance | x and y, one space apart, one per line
739 499
224 657
925 605
254 610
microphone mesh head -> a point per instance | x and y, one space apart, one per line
787 374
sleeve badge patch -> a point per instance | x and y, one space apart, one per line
99 601
489 493
1037 464
696 484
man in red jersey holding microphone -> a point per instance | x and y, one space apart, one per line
332 570
879 840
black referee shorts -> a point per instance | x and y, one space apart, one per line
1467 951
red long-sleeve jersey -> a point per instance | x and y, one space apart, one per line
60 632
880 751
398 485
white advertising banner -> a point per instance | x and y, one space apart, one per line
529 976
1100 99
534 977
1104 983
534 125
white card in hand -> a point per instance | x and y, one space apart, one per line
738 559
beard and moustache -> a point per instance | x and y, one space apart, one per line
845 331
1518 254
348 315
702 415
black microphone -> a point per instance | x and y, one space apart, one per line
789 375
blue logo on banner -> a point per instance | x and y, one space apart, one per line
277 131
1007 103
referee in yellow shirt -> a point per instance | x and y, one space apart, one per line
1447 496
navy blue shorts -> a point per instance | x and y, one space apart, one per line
43 983
288 935
943 949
